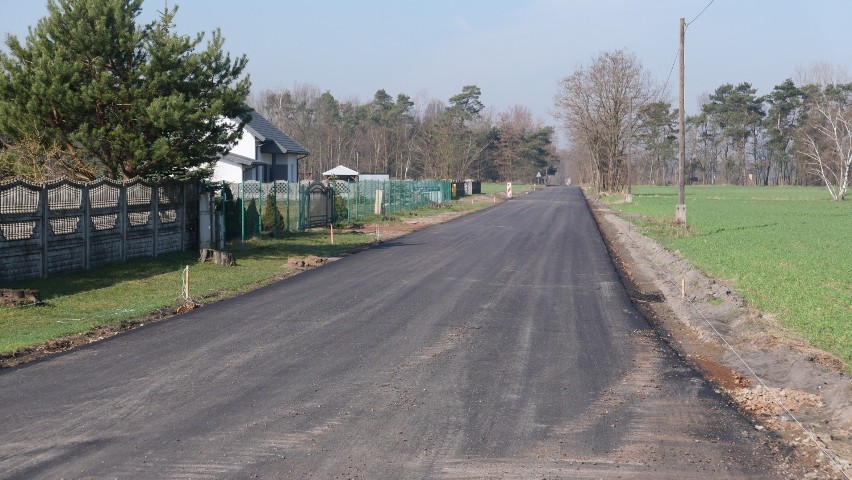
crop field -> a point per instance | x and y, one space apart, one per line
500 188
787 250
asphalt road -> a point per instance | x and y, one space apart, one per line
498 345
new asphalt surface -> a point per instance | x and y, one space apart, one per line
498 345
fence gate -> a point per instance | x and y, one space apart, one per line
317 206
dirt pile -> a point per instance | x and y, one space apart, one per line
309 261
768 401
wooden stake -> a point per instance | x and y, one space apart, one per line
186 283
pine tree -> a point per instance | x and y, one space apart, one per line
120 99
271 218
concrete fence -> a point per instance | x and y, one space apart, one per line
66 225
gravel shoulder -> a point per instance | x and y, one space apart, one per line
773 375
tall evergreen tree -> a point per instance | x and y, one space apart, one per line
783 119
738 112
121 99
657 131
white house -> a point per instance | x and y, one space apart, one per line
264 153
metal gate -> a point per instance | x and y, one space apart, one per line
317 206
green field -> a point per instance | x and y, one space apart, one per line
787 250
497 188
75 302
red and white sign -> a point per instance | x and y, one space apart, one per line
508 189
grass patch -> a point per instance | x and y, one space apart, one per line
76 302
497 188
785 249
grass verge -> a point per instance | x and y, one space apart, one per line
785 249
74 302
80 301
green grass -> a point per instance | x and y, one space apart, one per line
787 250
517 188
76 302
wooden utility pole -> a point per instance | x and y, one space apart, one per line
629 197
680 210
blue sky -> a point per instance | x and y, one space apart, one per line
515 51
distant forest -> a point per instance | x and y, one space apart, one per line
615 116
391 135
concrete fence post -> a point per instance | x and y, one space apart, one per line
122 219
87 227
155 216
45 229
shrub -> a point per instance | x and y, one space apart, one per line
341 213
271 218
251 219
231 207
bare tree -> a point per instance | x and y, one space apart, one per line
597 105
827 136
821 73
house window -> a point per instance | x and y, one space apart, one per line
279 172
257 172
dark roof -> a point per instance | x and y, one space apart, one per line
274 140
238 159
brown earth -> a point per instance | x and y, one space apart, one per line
771 374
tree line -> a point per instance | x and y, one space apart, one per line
623 129
91 93
396 136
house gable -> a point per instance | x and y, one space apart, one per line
263 153
272 139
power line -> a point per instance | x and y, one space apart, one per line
702 11
666 85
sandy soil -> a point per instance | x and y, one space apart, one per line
770 373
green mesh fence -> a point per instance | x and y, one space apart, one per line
359 198
251 207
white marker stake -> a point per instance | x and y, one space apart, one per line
508 189
186 283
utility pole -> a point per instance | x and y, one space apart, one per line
680 210
629 197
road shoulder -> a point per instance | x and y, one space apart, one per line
771 374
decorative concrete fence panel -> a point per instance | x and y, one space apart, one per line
67 225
